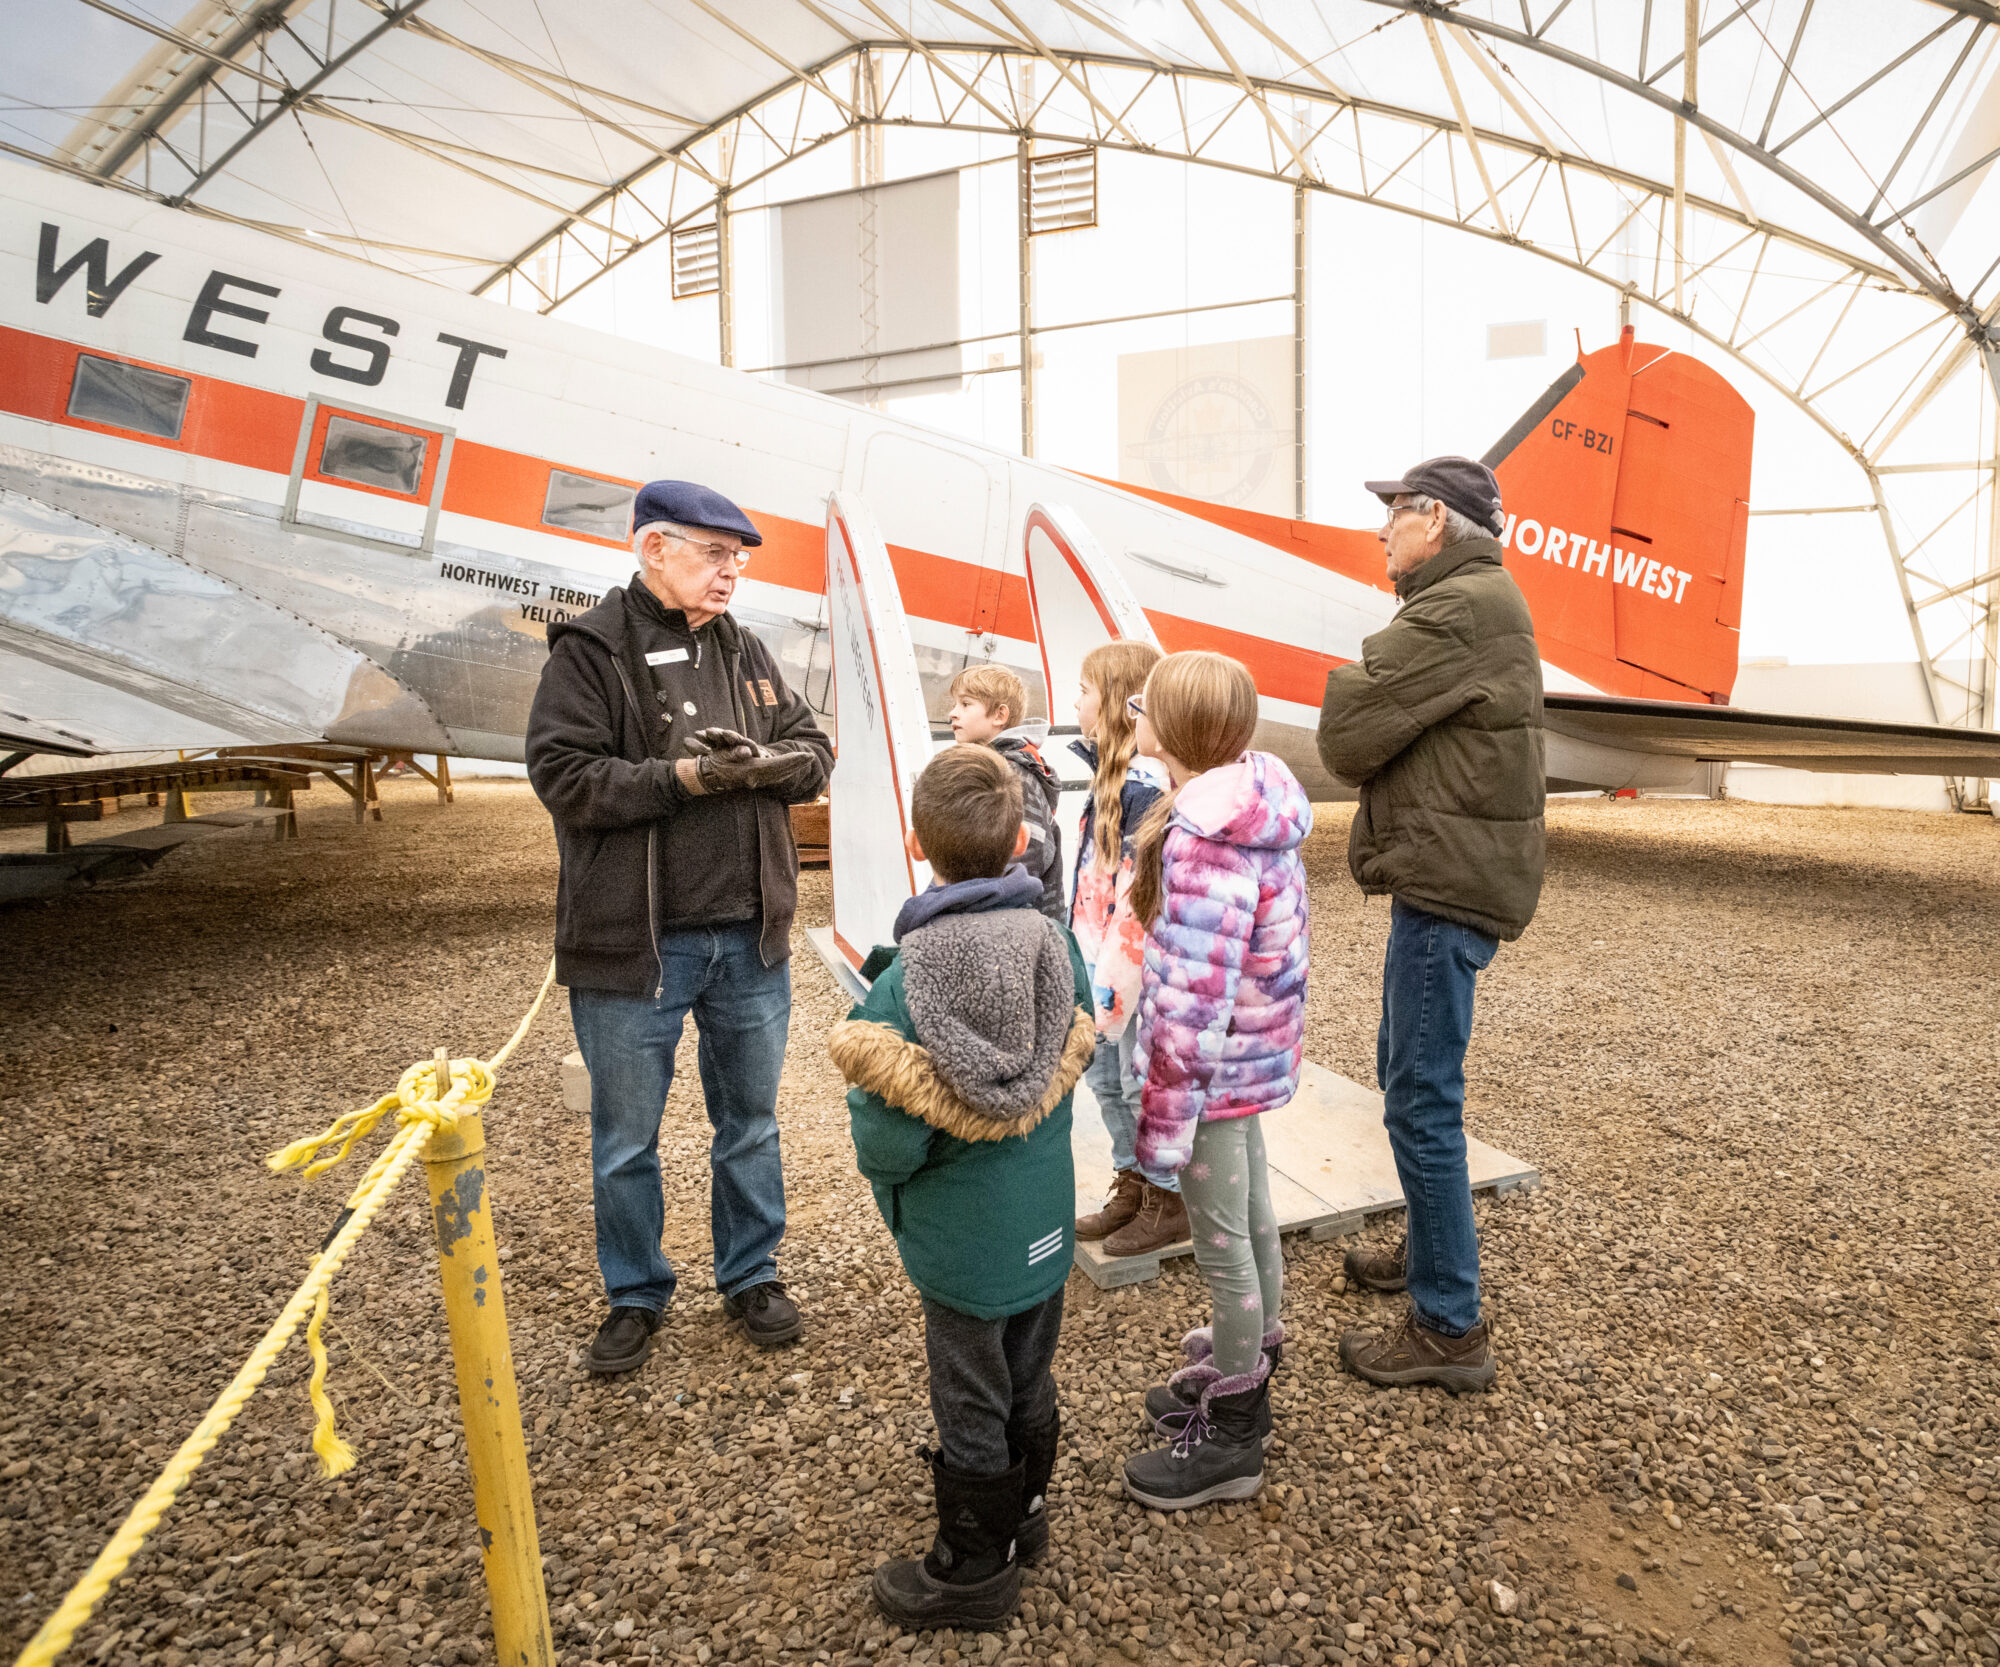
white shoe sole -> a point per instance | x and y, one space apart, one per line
1236 1487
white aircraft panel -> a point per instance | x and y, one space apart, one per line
880 732
1077 599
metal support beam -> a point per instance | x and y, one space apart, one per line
725 295
1027 298
1300 208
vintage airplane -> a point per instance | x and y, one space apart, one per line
252 494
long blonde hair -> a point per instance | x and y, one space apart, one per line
1203 709
1117 671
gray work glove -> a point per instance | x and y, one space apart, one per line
728 762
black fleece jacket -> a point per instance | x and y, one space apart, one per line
602 761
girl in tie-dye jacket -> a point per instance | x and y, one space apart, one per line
1221 1024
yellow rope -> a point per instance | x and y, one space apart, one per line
423 1110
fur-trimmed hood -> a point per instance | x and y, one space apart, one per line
901 1072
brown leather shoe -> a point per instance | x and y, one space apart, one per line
1161 1221
1128 1186
1408 1354
1380 1270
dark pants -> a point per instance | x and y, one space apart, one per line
742 1011
990 1382
1427 982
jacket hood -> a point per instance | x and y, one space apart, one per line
1024 742
1256 801
992 998
1015 889
1447 562
878 1058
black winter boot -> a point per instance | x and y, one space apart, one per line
1176 1398
1036 1451
969 1577
1217 1453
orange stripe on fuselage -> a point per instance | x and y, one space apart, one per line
1281 671
1353 555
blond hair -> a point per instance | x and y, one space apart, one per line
1117 671
993 686
966 810
1203 709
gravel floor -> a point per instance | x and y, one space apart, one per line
1747 1397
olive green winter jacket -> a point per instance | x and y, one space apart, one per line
1439 724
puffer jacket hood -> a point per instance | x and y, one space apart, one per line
1255 802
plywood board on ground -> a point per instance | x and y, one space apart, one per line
1329 1156
1330 1166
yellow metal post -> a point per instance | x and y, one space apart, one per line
495 1450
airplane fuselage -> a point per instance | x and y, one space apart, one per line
253 492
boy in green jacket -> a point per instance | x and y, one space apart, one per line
962 1060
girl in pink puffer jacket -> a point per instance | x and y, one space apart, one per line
1221 1022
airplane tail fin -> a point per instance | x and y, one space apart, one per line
1627 489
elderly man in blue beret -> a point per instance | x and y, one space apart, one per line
668 749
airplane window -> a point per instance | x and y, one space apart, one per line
126 396
372 456
579 504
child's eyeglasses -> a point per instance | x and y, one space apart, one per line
1135 706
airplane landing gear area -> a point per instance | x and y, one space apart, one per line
1754 1293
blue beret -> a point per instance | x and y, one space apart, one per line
689 505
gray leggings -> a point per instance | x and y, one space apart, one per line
1228 1194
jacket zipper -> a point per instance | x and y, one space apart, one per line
652 835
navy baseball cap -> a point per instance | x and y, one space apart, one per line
1457 483
689 505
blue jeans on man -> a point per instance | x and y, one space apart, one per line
742 1013
1428 975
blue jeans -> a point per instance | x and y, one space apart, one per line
1109 1075
1427 980
742 1011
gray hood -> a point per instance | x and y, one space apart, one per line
991 998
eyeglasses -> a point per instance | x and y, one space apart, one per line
713 555
1400 509
1135 706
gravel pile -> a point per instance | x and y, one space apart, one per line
1747 1397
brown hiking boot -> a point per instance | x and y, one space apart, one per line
1161 1221
1380 1270
1128 1186
1408 1353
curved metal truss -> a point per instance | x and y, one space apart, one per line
1786 305
1837 304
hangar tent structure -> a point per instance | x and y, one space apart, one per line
1801 184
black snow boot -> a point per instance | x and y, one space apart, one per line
1173 1400
1217 1452
1036 1451
969 1578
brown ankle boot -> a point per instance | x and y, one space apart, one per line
1409 1353
1380 1270
1128 1186
1161 1221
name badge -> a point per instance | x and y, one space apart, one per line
666 656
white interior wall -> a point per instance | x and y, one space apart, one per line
1398 311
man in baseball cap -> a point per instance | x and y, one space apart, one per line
1439 724
668 749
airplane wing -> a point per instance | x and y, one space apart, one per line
1733 735
109 644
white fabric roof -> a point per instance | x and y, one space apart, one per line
1815 199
